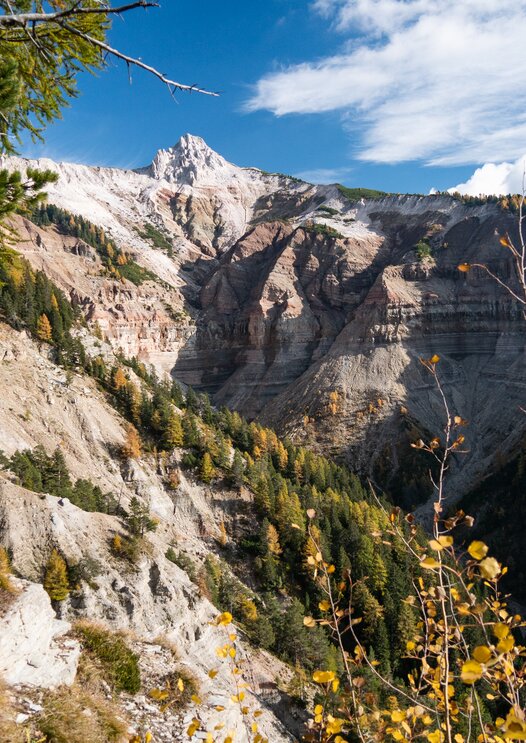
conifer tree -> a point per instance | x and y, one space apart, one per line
131 448
119 379
44 328
56 581
138 520
206 469
237 469
173 432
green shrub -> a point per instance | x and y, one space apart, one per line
323 229
423 250
328 210
182 561
135 273
155 236
109 649
355 194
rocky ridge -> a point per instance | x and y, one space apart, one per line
298 292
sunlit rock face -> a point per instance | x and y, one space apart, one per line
278 294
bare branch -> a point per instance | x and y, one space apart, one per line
172 84
21 19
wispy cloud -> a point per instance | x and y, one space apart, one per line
323 175
439 81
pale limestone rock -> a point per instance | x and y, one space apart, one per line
33 649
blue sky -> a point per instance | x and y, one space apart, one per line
365 92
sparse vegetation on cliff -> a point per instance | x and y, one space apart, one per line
355 194
117 263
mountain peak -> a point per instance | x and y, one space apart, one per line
190 162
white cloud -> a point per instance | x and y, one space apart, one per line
440 81
323 175
492 178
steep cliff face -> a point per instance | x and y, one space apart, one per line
289 301
321 335
153 597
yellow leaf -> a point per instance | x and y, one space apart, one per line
429 563
501 630
514 726
324 605
410 645
482 654
318 709
489 568
464 267
193 728
224 618
331 569
441 543
311 513
437 736
471 671
309 622
397 715
434 359
212 673
195 699
506 644
478 550
180 684
323 677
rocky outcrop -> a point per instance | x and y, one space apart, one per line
152 597
33 648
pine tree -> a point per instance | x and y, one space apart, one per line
237 469
44 328
131 449
273 540
206 469
119 379
56 581
173 432
138 519
223 536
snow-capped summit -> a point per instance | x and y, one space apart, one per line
191 162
